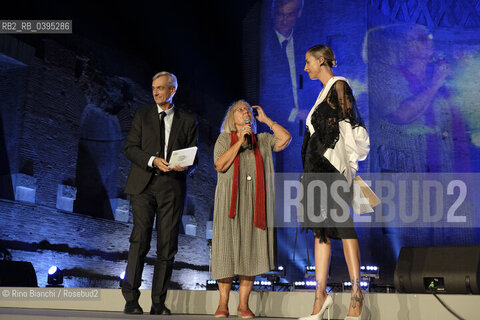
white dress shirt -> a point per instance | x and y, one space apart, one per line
168 126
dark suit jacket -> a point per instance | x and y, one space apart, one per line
143 141
276 93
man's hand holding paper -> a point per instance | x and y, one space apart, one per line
181 159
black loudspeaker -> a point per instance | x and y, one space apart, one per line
438 270
17 274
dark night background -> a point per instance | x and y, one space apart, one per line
199 41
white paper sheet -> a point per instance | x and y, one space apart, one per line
182 157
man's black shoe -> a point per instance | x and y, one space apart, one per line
133 309
160 309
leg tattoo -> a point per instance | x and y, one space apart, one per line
357 297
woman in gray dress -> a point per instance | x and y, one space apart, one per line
242 244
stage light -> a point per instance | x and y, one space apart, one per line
212 285
369 268
52 270
122 277
309 272
311 283
305 284
275 274
262 284
370 272
55 277
363 284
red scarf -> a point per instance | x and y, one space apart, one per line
259 216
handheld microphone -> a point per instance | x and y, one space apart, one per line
248 136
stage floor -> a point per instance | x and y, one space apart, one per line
202 304
51 314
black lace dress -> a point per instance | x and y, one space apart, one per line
338 105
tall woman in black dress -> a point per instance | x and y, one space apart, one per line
334 142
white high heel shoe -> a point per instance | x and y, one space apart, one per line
325 307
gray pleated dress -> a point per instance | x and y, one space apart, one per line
238 247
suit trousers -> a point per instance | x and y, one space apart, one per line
164 199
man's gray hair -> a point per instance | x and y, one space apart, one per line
171 78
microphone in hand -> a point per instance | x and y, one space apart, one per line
248 137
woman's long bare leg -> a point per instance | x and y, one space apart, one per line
351 250
322 262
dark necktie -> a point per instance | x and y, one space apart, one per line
162 134
284 46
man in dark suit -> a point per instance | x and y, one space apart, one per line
156 189
282 61
282 89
